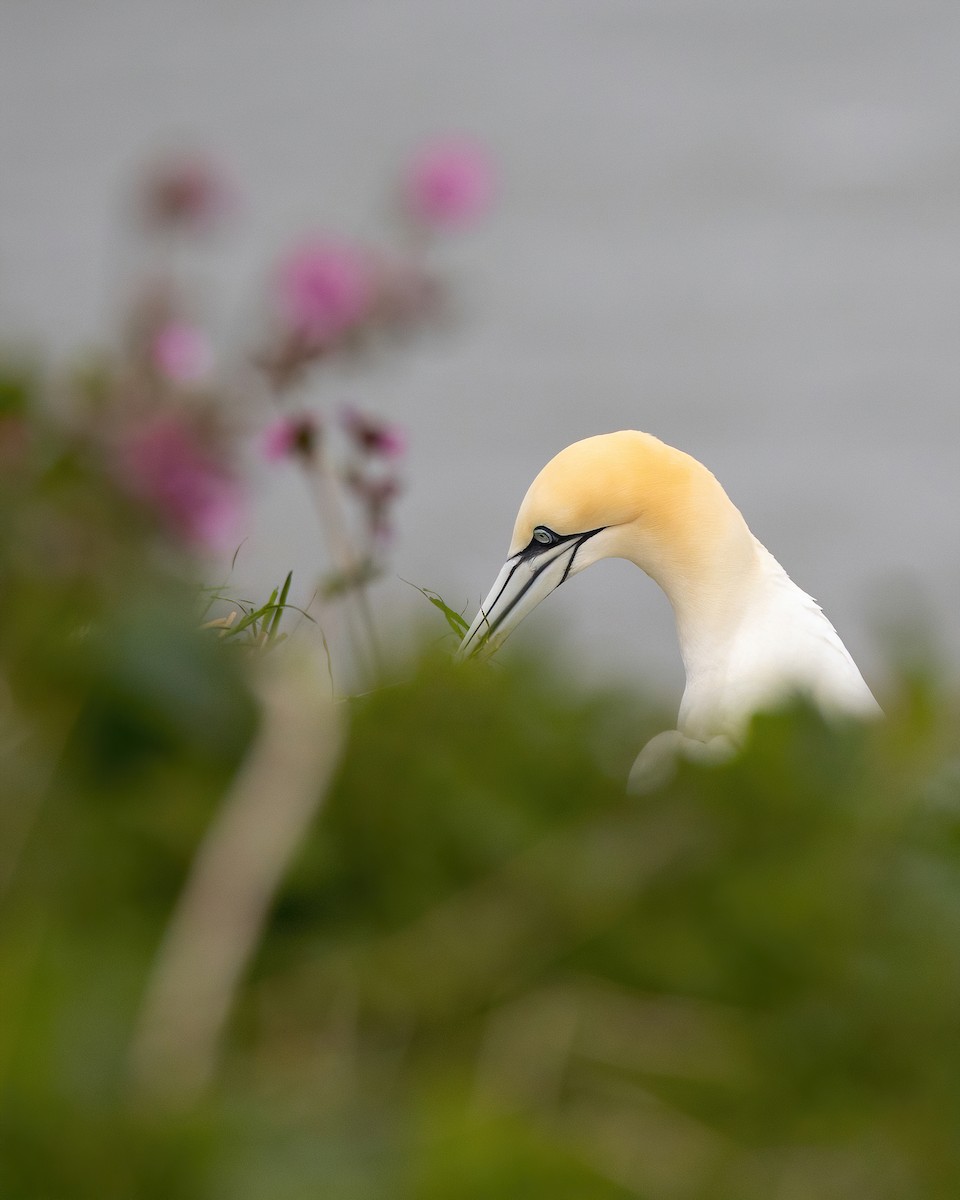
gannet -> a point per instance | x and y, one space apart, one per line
749 637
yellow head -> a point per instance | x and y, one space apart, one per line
617 495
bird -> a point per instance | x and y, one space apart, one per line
749 637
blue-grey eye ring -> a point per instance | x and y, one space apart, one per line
543 535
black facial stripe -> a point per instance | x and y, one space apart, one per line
584 537
526 587
579 538
558 548
505 582
566 570
491 629
535 548
521 557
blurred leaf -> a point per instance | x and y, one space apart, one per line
18 389
456 620
340 584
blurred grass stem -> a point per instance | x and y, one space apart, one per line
220 916
348 563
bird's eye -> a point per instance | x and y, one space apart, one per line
546 537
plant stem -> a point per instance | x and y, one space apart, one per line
221 913
327 501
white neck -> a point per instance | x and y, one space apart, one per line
709 607
749 637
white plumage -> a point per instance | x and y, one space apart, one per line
749 637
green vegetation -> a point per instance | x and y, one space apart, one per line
483 971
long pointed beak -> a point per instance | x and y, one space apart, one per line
526 579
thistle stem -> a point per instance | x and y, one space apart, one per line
327 501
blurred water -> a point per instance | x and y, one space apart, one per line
736 226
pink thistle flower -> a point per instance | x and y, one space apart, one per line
449 184
167 466
290 437
372 436
188 191
324 289
181 352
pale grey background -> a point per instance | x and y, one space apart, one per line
734 223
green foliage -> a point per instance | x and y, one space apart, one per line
18 388
456 621
490 972
487 971
260 624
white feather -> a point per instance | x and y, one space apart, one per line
781 644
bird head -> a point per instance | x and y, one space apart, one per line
617 495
